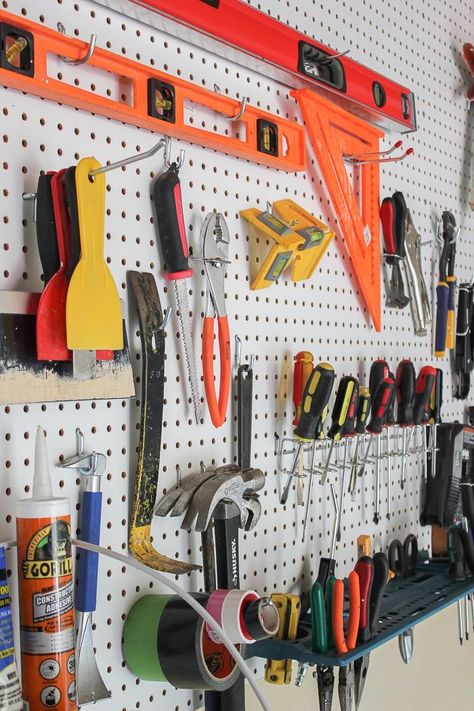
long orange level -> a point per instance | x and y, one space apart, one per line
157 99
335 133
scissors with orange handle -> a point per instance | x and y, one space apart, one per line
215 250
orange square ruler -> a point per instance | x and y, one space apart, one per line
334 134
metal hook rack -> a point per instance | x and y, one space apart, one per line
88 54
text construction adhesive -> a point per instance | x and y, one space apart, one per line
10 689
46 593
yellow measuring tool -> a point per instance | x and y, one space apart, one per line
300 241
93 311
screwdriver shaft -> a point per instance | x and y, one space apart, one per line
460 623
389 473
466 618
366 456
294 466
342 492
405 446
353 478
324 475
377 482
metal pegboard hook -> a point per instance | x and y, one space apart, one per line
133 159
331 57
182 154
240 112
88 54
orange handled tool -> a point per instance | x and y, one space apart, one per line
342 642
302 370
215 249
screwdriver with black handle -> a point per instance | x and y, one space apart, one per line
423 387
363 411
406 378
315 398
389 422
436 401
374 427
319 435
378 372
347 433
342 403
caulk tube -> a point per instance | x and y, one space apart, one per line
10 689
45 584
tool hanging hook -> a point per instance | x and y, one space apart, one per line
88 54
133 159
379 156
240 112
182 154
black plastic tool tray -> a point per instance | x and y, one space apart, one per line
406 603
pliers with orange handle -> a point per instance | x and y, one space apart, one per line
345 642
215 251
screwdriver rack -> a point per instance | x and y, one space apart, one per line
321 315
406 603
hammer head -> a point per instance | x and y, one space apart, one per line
236 488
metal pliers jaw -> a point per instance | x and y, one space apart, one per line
215 252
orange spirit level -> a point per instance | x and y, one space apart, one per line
157 99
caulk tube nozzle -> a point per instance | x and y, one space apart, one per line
42 488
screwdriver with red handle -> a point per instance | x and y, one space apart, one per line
423 387
406 378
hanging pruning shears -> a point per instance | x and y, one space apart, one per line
215 250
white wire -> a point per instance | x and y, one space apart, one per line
201 611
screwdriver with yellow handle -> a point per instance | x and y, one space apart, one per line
345 391
363 411
315 398
318 436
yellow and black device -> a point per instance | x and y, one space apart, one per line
278 671
299 240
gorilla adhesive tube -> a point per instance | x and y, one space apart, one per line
10 689
46 593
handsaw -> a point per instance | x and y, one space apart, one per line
152 338
51 316
93 313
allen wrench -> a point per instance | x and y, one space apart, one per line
240 112
88 54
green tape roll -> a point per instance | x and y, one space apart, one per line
140 634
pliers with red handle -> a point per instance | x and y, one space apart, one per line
215 251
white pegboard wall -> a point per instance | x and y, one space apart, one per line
417 45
